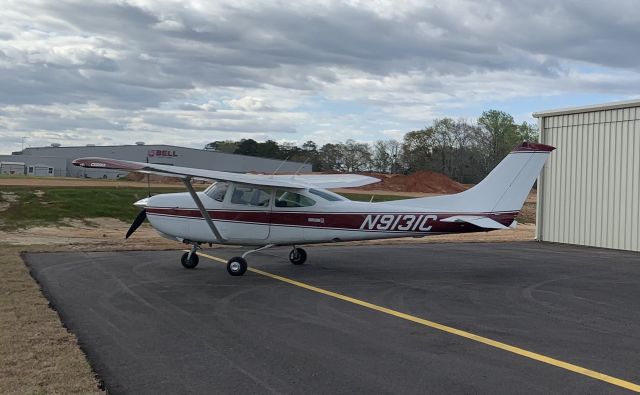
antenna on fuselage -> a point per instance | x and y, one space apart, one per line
148 182
281 164
300 168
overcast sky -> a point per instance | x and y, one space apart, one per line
190 72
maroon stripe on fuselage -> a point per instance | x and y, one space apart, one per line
239 216
380 222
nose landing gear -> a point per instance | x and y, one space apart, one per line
297 256
237 265
190 259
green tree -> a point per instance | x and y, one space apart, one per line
330 157
528 131
500 135
247 147
310 150
227 146
417 149
268 149
443 143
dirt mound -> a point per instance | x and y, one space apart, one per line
421 181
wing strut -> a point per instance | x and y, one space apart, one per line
203 212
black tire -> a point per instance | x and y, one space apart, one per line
189 263
237 266
298 256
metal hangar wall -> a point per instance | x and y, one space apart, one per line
589 191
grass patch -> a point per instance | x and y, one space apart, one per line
50 205
527 213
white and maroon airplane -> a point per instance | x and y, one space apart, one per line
270 210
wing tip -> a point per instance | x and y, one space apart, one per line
105 163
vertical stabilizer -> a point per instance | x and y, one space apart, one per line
504 189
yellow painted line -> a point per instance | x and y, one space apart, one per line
493 343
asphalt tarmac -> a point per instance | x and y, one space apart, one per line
149 326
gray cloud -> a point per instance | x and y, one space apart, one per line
131 62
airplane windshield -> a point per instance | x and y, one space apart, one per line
217 191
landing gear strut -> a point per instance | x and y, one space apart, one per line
297 256
190 259
237 265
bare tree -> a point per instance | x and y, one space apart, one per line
381 160
356 156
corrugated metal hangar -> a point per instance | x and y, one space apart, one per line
59 160
589 191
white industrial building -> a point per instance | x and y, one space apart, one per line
589 190
56 160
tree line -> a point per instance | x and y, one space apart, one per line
465 150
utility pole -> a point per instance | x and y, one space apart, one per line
23 139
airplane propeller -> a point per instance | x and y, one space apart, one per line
142 215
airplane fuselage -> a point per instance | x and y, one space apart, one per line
263 210
310 219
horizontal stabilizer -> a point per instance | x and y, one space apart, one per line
482 222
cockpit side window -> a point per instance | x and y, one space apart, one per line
251 196
292 199
217 191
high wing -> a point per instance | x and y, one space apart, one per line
328 180
281 181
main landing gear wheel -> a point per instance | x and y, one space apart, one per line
189 262
298 256
237 266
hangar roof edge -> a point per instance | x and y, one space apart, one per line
595 107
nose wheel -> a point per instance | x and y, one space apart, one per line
189 260
297 256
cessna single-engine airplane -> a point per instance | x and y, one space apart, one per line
270 210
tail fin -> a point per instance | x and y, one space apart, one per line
504 189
